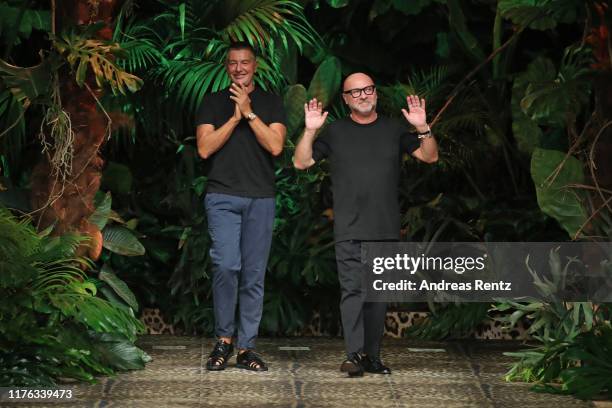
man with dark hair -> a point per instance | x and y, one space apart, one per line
365 153
239 132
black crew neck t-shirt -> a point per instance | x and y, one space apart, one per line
365 163
242 166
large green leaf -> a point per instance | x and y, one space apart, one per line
539 14
12 125
122 241
555 198
107 275
326 81
117 178
86 53
287 58
295 98
26 83
28 20
548 96
103 209
119 353
458 25
526 131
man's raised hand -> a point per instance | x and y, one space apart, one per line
237 114
241 97
415 114
314 117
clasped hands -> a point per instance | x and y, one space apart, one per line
314 116
241 99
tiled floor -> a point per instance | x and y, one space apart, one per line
426 374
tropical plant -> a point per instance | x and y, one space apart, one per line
518 96
179 50
566 331
450 321
81 61
54 326
301 278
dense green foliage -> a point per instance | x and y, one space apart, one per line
53 325
574 339
509 91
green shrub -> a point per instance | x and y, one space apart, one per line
52 324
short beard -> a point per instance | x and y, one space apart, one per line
359 109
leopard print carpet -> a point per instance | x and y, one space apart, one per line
396 324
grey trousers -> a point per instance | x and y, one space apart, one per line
241 232
363 322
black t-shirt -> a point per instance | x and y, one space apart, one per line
365 163
242 166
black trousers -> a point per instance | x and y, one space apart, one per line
363 322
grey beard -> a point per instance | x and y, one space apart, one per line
361 109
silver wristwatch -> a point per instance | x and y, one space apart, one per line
424 135
251 116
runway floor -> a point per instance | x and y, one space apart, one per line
425 374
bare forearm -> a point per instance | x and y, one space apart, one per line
270 139
209 143
429 148
302 158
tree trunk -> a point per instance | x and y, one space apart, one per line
70 212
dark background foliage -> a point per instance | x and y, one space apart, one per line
516 90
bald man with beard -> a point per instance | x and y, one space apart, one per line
365 154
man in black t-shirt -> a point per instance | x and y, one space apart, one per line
239 131
365 155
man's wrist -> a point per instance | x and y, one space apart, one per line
423 129
310 132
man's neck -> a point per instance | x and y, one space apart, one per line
364 119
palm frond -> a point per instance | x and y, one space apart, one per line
98 314
190 80
256 20
140 44
17 237
430 83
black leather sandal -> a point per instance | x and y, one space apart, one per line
217 360
249 360
353 365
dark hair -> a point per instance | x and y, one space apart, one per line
241 45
